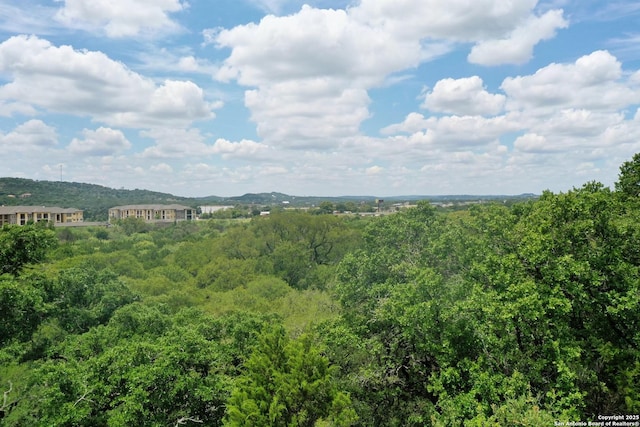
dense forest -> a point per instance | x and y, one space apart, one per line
524 314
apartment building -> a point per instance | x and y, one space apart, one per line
20 215
153 213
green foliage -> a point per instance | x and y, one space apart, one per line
224 274
133 225
628 184
287 383
296 243
465 317
494 315
145 367
22 245
21 308
88 298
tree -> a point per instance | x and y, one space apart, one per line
21 309
466 317
146 367
628 183
22 245
287 383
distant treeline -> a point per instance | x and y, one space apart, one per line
95 200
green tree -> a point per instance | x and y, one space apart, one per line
447 323
146 367
287 383
22 307
628 183
22 245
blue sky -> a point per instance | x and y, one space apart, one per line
325 98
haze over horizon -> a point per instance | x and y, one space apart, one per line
323 97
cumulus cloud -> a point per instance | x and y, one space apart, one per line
578 108
80 82
309 73
174 61
593 82
121 18
162 168
454 131
26 17
100 142
311 115
173 143
580 123
29 135
374 170
172 103
313 43
458 20
244 148
188 63
517 47
466 96
534 143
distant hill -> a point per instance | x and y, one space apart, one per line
95 200
279 198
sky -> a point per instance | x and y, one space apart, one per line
320 97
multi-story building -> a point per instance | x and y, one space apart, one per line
153 213
20 215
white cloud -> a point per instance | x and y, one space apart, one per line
579 123
534 143
310 72
100 142
8 109
162 168
172 103
374 170
173 143
414 122
517 47
191 143
314 43
80 82
244 148
274 171
29 135
26 16
458 20
188 63
452 132
465 96
559 125
594 82
312 114
174 61
121 18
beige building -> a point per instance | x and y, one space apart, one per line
153 213
22 214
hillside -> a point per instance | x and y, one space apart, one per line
95 200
